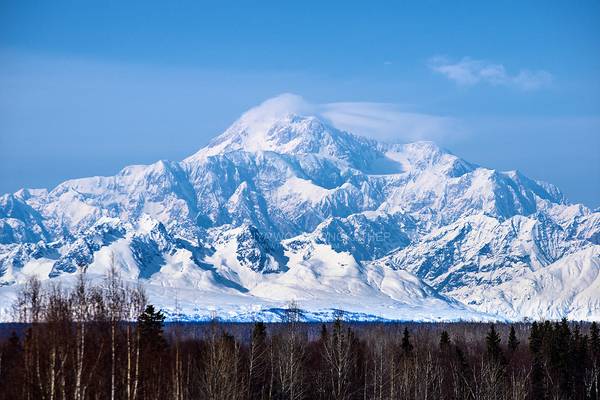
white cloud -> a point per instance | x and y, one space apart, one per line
388 122
382 121
469 72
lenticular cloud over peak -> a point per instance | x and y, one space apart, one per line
381 121
278 106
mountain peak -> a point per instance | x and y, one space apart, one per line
288 125
275 108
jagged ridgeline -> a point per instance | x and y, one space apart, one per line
283 206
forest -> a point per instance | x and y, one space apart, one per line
105 341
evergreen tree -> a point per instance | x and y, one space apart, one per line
492 341
324 333
537 367
578 360
259 332
537 378
594 352
563 353
14 343
150 325
11 370
337 327
407 347
513 342
535 339
595 341
9 353
444 341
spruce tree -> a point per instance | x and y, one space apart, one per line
594 351
537 378
595 341
407 347
444 341
537 367
563 352
10 352
324 333
535 339
150 325
14 343
513 342
11 368
492 341
337 327
259 333
578 360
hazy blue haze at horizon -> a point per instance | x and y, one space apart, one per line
86 89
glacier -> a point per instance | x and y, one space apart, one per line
285 207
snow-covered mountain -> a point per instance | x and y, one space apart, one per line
283 206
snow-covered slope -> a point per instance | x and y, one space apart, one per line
284 206
569 288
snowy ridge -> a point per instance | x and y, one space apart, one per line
284 206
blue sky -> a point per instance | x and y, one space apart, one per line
89 87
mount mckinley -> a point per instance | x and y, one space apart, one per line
283 206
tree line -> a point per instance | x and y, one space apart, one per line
106 342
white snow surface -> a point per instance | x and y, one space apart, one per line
284 207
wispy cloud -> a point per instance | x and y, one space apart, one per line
389 122
382 121
468 72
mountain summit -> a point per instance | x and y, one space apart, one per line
284 206
279 125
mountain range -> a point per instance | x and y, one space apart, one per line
283 207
